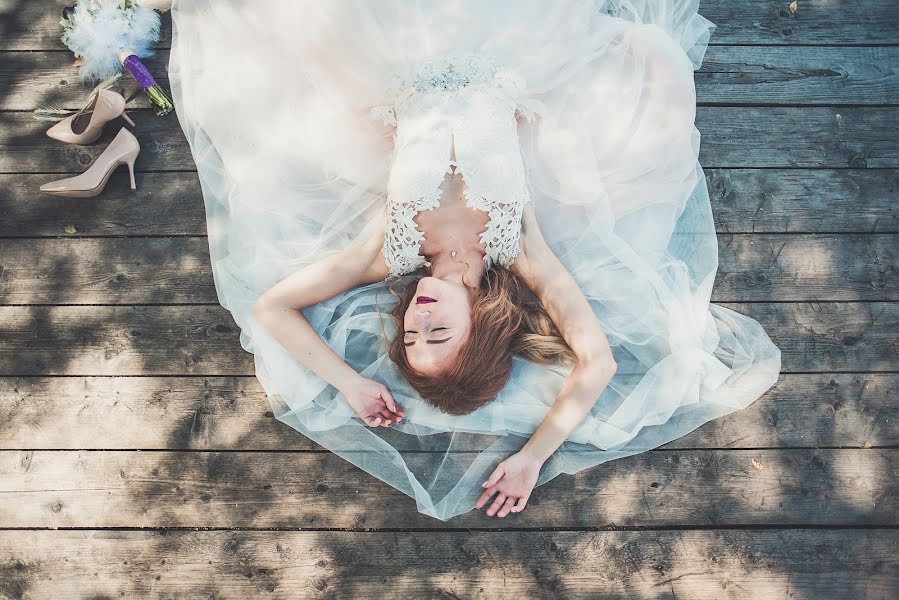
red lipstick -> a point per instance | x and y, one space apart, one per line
423 299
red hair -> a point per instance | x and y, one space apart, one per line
505 322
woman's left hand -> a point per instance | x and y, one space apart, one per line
514 480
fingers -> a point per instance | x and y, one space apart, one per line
507 507
381 418
503 503
485 497
391 403
500 498
389 417
519 506
495 476
388 398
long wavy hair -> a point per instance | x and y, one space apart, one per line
506 321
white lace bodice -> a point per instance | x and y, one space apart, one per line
463 101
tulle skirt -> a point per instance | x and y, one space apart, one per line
274 98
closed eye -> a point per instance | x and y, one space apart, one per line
429 341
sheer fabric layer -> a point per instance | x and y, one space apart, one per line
277 111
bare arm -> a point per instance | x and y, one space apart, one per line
574 318
514 479
279 311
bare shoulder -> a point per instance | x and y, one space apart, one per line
532 247
372 250
377 268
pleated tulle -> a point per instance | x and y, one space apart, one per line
274 95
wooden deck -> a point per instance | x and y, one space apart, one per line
138 453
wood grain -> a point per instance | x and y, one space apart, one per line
735 75
743 201
804 200
177 270
731 75
28 25
302 489
106 271
35 25
121 340
765 267
830 337
150 416
232 413
812 137
204 340
383 565
815 22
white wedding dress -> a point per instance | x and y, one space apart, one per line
308 119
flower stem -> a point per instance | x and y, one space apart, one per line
159 99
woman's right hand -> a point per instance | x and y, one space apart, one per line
373 402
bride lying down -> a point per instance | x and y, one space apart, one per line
470 246
460 330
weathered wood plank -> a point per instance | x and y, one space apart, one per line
28 25
736 75
163 204
289 489
106 271
759 267
25 147
730 75
743 201
799 200
733 564
121 340
764 267
232 413
204 340
798 137
35 25
820 336
34 79
815 22
731 137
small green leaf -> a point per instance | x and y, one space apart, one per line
71 229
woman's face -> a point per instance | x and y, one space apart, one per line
436 323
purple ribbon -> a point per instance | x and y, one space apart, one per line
139 71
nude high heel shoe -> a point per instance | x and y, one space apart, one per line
86 127
122 150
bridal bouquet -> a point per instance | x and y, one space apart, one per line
108 35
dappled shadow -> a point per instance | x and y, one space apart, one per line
98 340
27 149
107 271
659 489
694 518
31 80
164 204
689 491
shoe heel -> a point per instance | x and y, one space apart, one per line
130 163
129 159
123 150
127 118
